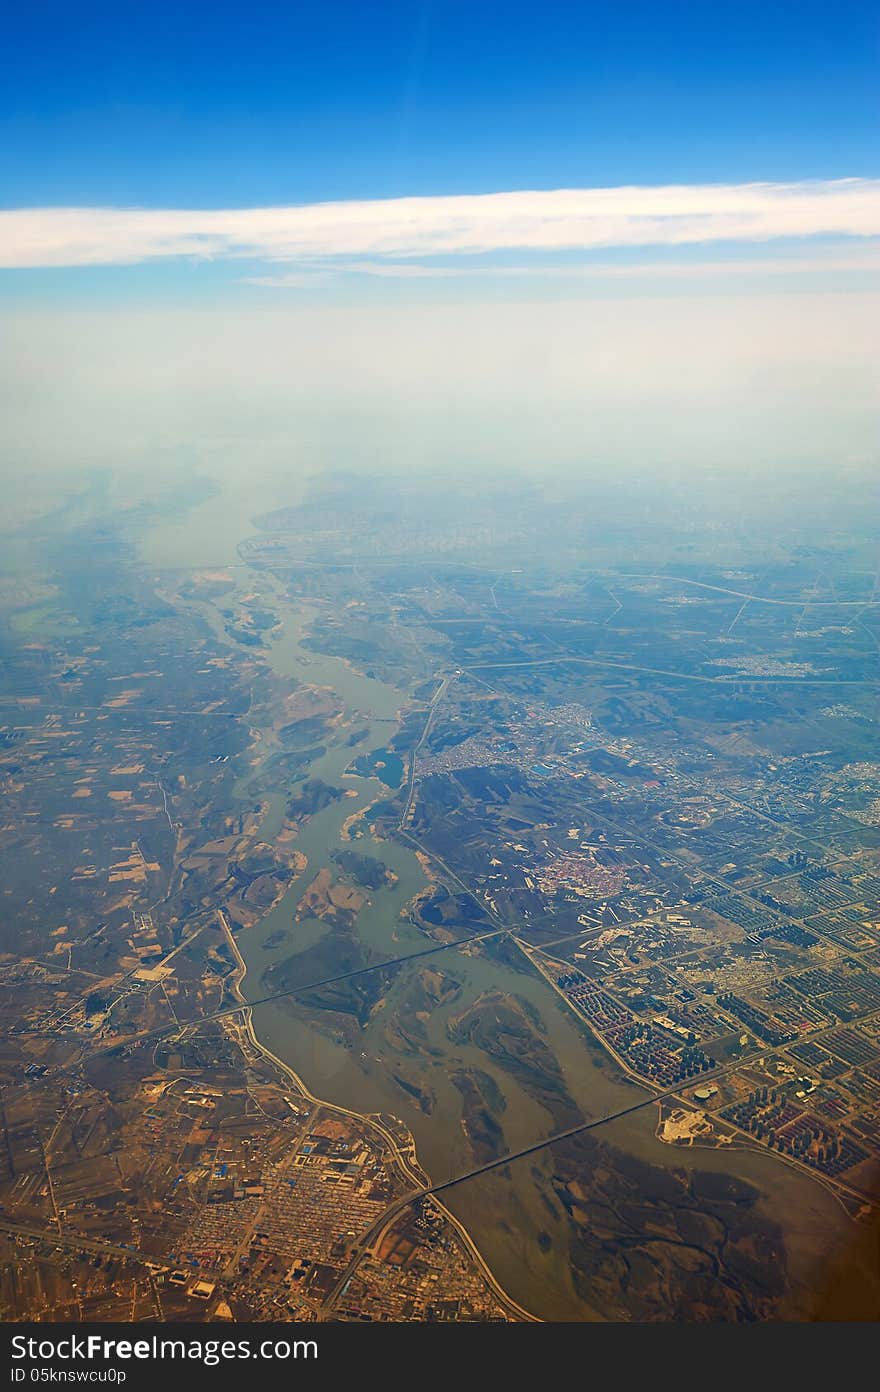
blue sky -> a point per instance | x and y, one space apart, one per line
233 104
165 158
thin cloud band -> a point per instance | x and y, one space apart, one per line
461 225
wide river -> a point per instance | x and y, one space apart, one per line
513 1215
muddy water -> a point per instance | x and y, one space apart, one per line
364 1077
361 1078
831 1262
513 1215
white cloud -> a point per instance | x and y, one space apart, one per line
832 262
560 220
